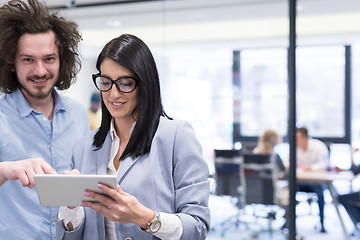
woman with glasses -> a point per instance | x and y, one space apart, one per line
163 186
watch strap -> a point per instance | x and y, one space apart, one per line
155 220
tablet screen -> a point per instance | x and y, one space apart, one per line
68 190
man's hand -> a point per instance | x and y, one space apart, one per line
24 170
304 167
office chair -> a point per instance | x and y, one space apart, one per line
261 191
309 198
230 182
351 203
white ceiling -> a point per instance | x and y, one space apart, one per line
72 3
177 21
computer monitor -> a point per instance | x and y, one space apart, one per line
283 150
340 155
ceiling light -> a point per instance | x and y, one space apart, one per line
113 23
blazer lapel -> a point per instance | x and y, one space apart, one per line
102 156
125 166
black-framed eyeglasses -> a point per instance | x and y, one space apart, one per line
125 84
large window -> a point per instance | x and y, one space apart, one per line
263 91
320 92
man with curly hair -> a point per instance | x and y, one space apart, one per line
38 126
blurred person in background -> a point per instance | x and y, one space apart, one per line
94 111
267 142
312 155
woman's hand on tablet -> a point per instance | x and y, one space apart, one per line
119 206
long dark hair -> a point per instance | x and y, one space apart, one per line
132 53
18 18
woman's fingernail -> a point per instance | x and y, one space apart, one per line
83 204
87 194
100 186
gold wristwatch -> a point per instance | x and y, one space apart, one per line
154 225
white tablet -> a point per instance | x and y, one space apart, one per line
68 190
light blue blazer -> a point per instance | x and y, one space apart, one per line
171 178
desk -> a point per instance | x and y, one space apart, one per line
327 178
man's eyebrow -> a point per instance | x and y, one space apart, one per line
45 56
25 55
51 55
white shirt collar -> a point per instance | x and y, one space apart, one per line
113 131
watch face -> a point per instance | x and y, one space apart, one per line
155 226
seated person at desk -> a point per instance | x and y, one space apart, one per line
267 141
94 111
312 155
351 201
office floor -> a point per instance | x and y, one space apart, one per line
307 222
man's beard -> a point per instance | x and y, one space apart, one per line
38 93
